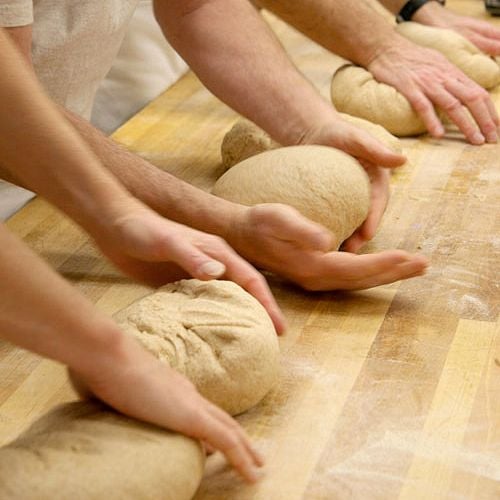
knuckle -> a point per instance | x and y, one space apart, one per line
451 105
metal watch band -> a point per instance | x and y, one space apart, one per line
410 7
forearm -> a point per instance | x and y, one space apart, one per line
169 196
350 29
43 153
238 58
41 312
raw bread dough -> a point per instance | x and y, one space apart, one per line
355 91
324 184
86 451
213 332
457 49
245 139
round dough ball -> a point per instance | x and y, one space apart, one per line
355 91
213 332
457 49
245 139
85 450
324 184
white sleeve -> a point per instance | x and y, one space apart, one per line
16 13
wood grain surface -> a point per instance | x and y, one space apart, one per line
392 392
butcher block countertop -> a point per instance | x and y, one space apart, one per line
392 392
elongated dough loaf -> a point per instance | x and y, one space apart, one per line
86 451
355 91
213 332
324 184
246 139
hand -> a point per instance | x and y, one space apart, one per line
278 238
156 251
484 35
427 79
379 180
341 134
369 152
144 388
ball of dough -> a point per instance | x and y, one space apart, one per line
245 139
324 184
355 91
214 333
457 49
85 450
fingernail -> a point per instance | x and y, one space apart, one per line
492 137
477 138
213 268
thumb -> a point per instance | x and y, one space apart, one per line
364 146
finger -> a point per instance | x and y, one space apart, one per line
424 108
456 112
225 439
228 420
245 275
485 43
476 98
364 146
402 271
194 261
291 226
364 271
486 29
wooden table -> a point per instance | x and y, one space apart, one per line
389 392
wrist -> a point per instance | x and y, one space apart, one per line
392 43
430 14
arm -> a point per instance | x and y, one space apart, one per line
422 75
53 161
274 236
63 325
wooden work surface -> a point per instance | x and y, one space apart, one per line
390 392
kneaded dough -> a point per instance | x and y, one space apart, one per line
86 451
355 91
324 184
213 332
457 49
246 139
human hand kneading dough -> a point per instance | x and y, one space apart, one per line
427 79
483 34
156 251
280 239
371 153
166 398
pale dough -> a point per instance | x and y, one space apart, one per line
324 184
86 451
213 332
245 139
355 91
457 49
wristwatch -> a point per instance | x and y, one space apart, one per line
410 7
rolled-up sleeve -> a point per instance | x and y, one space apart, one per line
16 13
